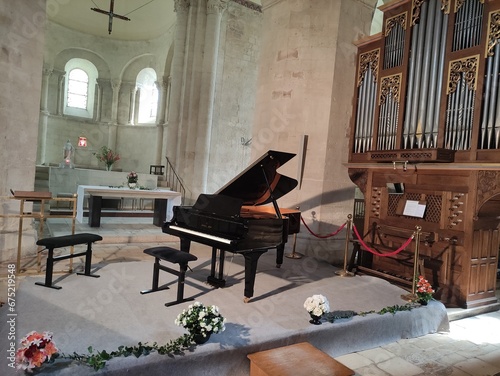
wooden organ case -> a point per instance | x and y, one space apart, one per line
426 130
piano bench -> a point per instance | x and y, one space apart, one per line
173 256
67 241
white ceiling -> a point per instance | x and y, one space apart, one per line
148 18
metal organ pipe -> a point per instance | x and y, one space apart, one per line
439 79
422 111
417 56
431 124
494 107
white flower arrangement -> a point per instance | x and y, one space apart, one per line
317 305
198 319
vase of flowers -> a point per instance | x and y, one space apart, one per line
35 349
201 321
108 156
316 305
132 179
424 291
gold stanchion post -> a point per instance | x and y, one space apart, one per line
345 272
294 255
413 296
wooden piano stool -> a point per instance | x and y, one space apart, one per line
175 257
300 359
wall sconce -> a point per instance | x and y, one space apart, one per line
82 141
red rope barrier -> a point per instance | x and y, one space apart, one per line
322 236
367 248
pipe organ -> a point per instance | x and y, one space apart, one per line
425 134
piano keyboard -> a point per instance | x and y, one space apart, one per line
202 234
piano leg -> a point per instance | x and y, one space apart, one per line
280 251
185 245
216 277
251 259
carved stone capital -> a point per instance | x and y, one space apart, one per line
181 5
216 6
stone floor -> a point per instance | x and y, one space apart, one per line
471 348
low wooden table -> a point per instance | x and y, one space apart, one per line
301 359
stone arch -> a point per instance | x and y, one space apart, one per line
135 65
64 56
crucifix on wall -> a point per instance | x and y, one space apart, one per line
110 14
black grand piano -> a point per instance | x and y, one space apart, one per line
233 219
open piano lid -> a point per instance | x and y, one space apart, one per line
251 186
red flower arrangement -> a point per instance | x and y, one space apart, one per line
132 177
424 290
35 349
107 156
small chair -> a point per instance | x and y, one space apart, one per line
176 257
156 169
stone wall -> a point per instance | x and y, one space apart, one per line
235 109
117 62
304 102
21 53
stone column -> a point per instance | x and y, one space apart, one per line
132 105
163 122
115 84
106 100
215 9
181 8
97 102
137 100
163 90
44 113
60 92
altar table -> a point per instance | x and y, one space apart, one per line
165 200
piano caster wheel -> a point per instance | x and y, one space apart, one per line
278 266
246 300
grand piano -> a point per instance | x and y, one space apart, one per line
233 219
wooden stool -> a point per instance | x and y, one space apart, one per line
176 257
301 359
67 241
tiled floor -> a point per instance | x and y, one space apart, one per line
471 348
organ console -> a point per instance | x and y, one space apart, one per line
427 96
233 220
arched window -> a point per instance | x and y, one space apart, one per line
148 96
79 88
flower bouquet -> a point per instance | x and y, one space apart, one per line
132 179
108 156
35 349
316 305
424 290
201 321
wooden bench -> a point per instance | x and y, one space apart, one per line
173 256
300 359
67 241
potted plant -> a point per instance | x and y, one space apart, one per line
132 179
316 305
201 321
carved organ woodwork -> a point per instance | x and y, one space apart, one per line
426 121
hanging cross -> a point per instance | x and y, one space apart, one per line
110 14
